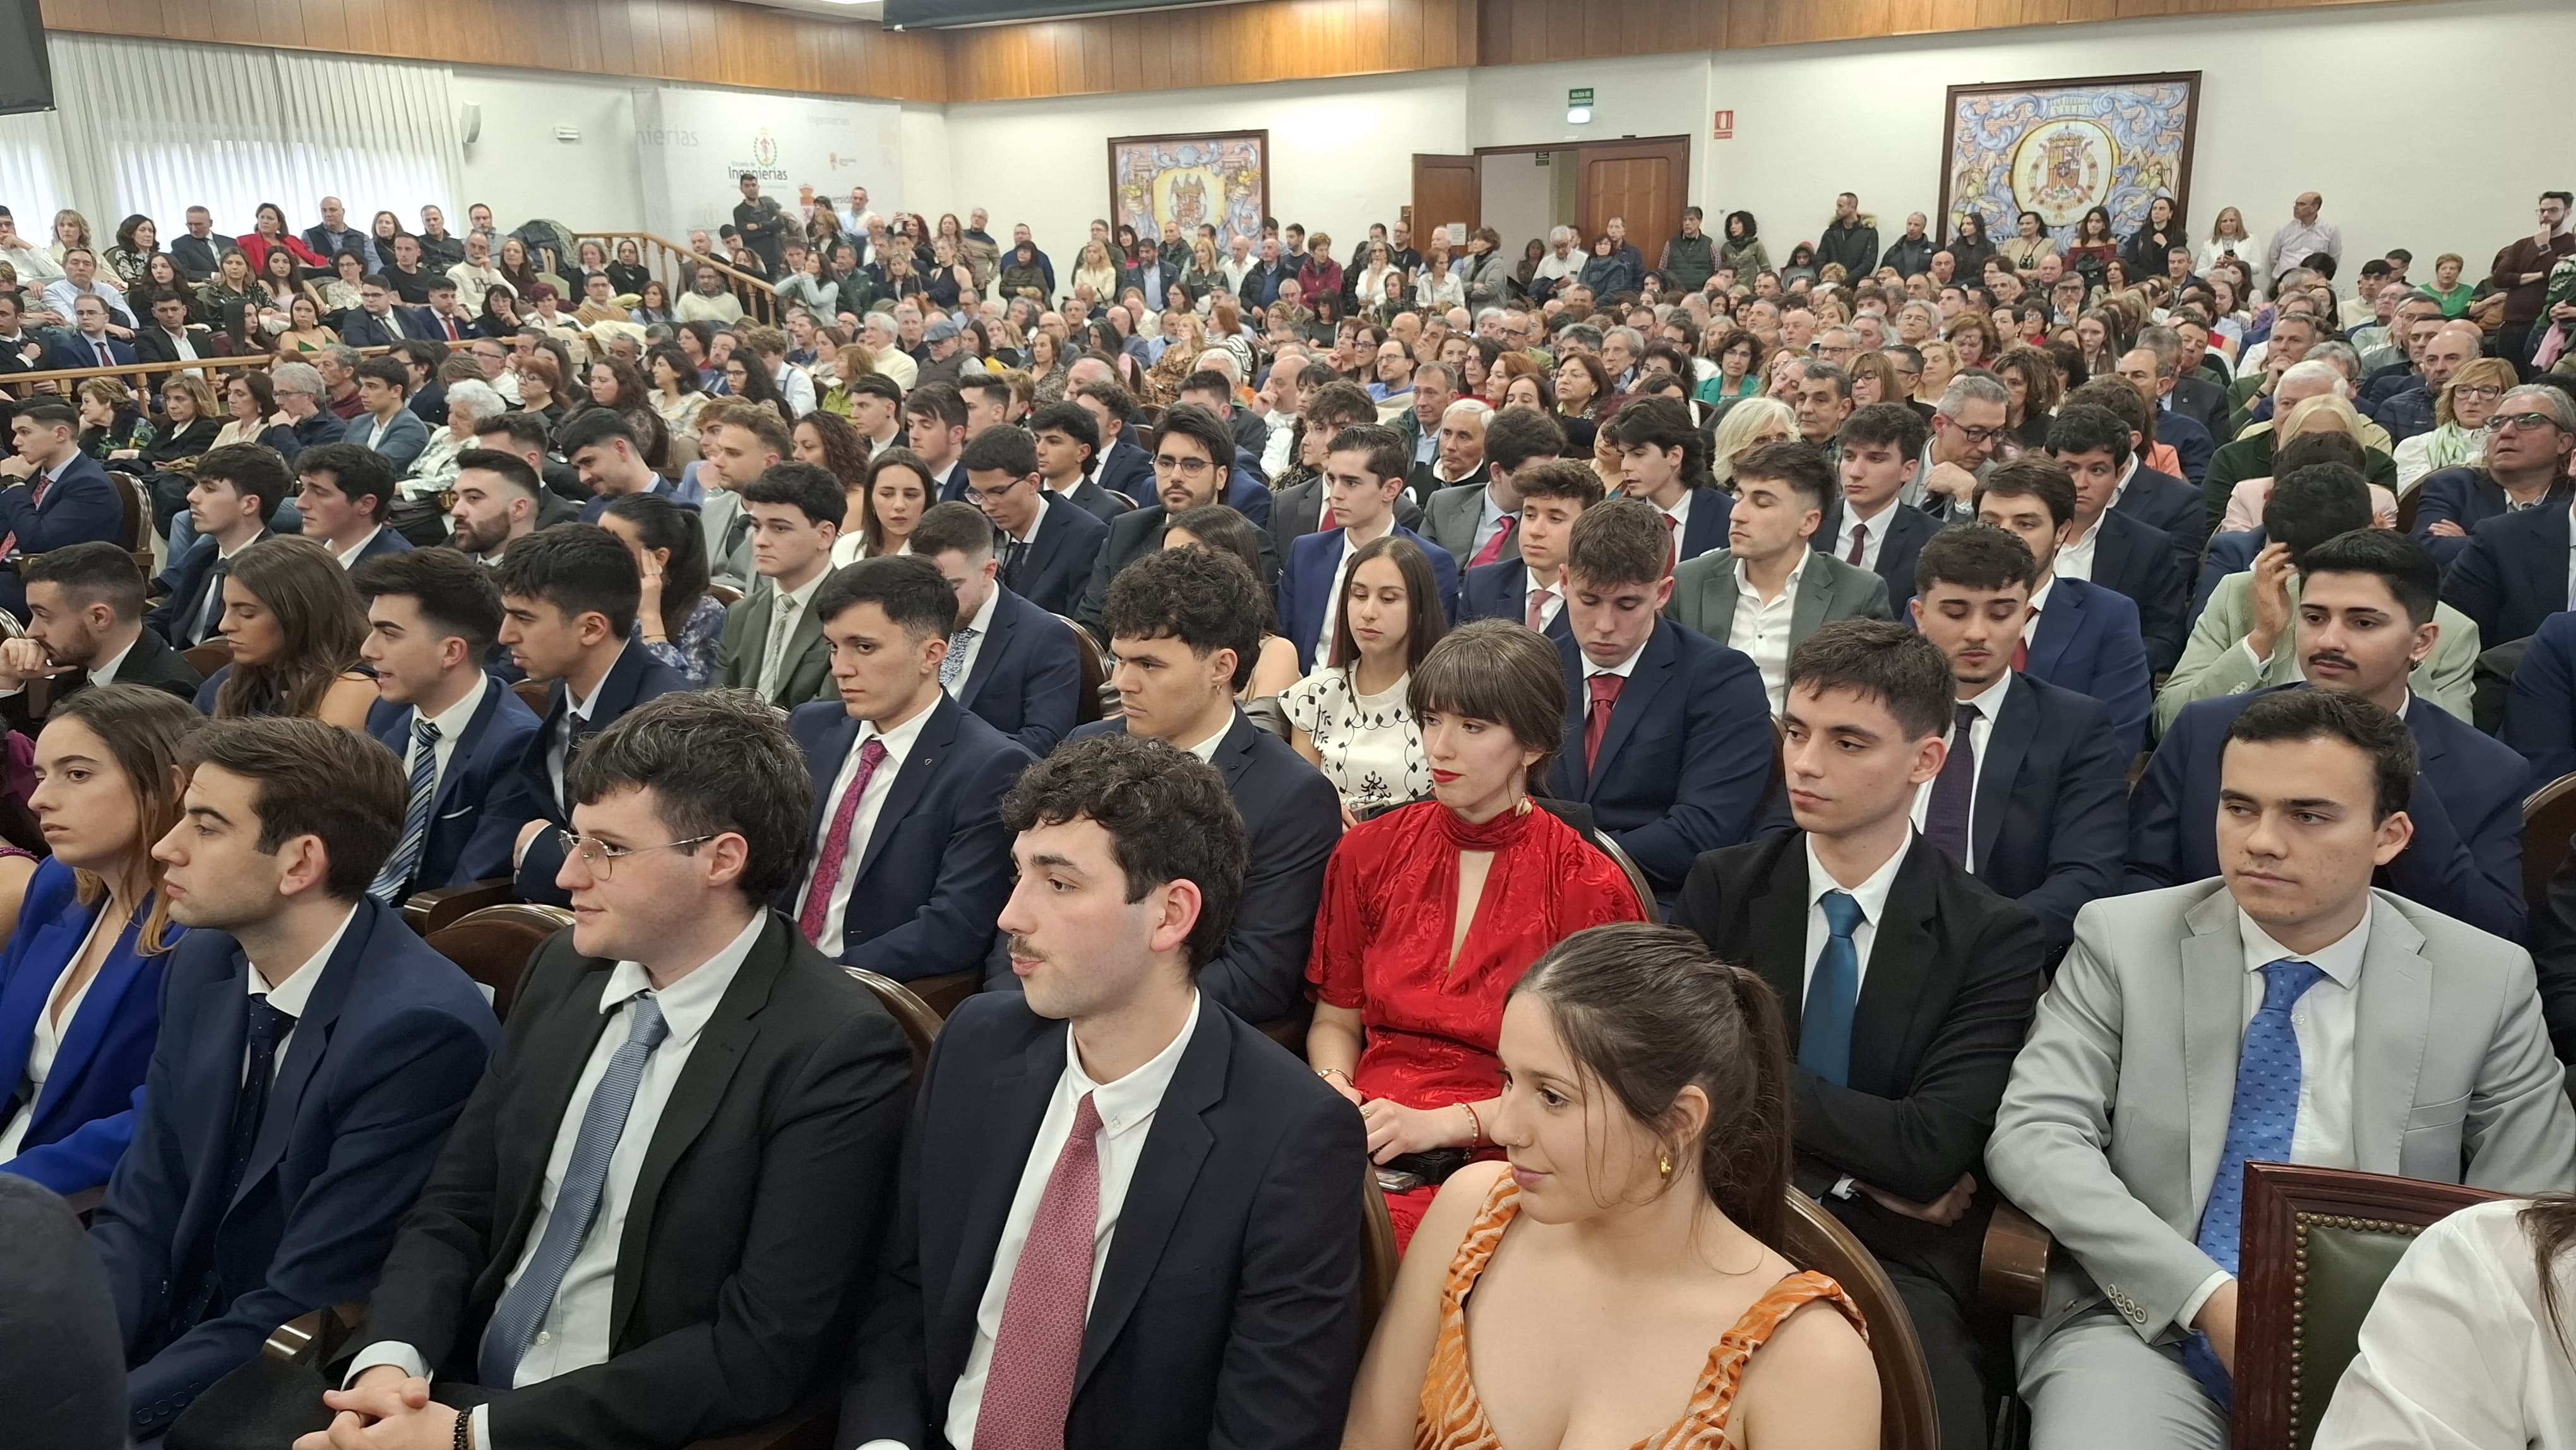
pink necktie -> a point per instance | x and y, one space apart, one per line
836 846
1494 546
103 359
1860 536
1538 606
1028 1389
1673 531
1604 689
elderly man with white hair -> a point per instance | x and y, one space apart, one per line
1463 506
434 471
891 360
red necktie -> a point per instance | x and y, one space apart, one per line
1538 598
103 359
1860 536
35 499
1494 546
452 334
2021 654
1028 1388
836 845
1673 531
1604 689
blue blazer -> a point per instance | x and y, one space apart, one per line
1027 681
952 489
85 1115
1056 567
2540 714
2465 860
1245 493
1500 590
183 590
1710 510
935 870
526 790
1907 529
359 327
74 351
2050 828
1306 585
1126 469
1292 820
2192 445
2088 642
80 508
2512 575
1687 757
2228 554
2143 562
2467 496
495 738
391 1040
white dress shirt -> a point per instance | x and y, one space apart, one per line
575 1332
559 749
2300 240
1126 1109
1551 598
1990 703
1876 539
451 723
290 995
1760 628
1205 750
2075 559
898 748
979 629
2038 608
349 557
1872 896
1489 522
1679 513
796 387
2325 1023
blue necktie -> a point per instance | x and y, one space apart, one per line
266 1028
424 790
1945 817
1833 991
2261 1125
525 1304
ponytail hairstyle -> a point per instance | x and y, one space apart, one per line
1646 1011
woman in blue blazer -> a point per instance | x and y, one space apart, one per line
80 982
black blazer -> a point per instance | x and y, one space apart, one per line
1953 977
1228 1311
151 344
1907 529
183 587
2050 828
2169 504
2145 563
149 663
763 1195
1096 501
1051 572
2512 575
1135 533
1124 468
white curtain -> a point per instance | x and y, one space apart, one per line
155 127
32 183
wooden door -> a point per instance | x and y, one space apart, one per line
1446 189
1645 182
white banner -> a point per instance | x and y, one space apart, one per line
695 145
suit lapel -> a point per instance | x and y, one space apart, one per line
1777 922
1815 599
1175 1148
312 1038
2007 743
1654 667
2058 624
1901 955
911 779
1717 598
101 1006
825 763
2213 1033
988 655
556 1051
2390 1022
1015 1104
466 744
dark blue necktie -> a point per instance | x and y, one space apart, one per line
266 1028
1945 819
1833 992
398 868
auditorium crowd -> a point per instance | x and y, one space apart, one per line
1382 748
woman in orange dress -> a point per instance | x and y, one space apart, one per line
1629 1289
1432 911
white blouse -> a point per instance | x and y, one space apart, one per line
1371 749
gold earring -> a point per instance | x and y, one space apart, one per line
1664 1165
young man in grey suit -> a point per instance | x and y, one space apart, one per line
772 642
2286 1012
1767 590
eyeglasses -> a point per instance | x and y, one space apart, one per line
2485 394
601 858
986 495
1976 435
1186 467
2520 422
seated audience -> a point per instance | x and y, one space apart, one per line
1364 470
1219 528
2108 546
1663 459
433 616
343 492
1009 663
568 604
312 1054
1768 590
1188 471
2250 456
678 619
1184 628
295 627
1228 1300
773 645
495 1304
2377 1034
235 494
1881 450
909 858
1350 718
1409 992
2033 796
2365 619
1048 544
1892 1094
1676 740
1528 584
1645 1107
80 981
2079 636
52 495
85 629
2513 573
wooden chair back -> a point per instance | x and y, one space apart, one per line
209 657
495 944
1637 881
2318 1243
945 993
724 594
1907 1417
920 1025
2548 822
1095 673
2412 500
1379 1257
537 695
427 911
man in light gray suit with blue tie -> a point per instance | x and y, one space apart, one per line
1766 591
2286 1012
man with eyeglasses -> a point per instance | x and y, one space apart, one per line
1046 543
1965 429
1188 474
299 397
2517 569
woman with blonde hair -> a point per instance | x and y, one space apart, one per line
1973 338
2324 413
295 625
1093 269
1748 424
2460 413
1179 359
1940 365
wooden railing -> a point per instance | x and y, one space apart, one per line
69 379
673 263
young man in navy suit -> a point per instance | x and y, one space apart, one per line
1202 1285
1663 459
313 1053
2107 546
2365 619
432 615
568 599
236 491
1013 665
1364 470
2158 500
1668 732
1188 471
344 491
1528 584
934 419
908 860
90 345
55 495
2033 797
1870 527
1124 467
1047 543
379 320
2080 636
1185 628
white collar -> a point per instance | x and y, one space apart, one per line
1206 749
803 595
2039 596
350 557
104 671
1788 586
1990 700
1871 894
2339 959
688 1003
1130 1099
581 708
1046 500
1622 669
290 995
898 741
451 722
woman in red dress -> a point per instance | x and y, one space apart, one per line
1433 911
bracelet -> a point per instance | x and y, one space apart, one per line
1475 1128
1335 1072
464 1431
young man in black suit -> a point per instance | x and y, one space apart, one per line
1013 665
1047 542
85 628
1126 1216
235 491
658 1209
1185 626
169 338
2111 547
1870 527
1068 440
1905 983
1188 471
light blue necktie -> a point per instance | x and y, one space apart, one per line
526 1303
955 664
424 791
2261 1125
1833 992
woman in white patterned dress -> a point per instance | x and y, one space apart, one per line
1349 717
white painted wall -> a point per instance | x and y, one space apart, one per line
929 181
1519 196
522 171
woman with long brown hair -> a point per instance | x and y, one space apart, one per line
295 625
1349 718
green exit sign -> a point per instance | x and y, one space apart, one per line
1579 96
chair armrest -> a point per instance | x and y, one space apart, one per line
316 1337
427 911
2012 1271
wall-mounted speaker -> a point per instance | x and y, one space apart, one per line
469 122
